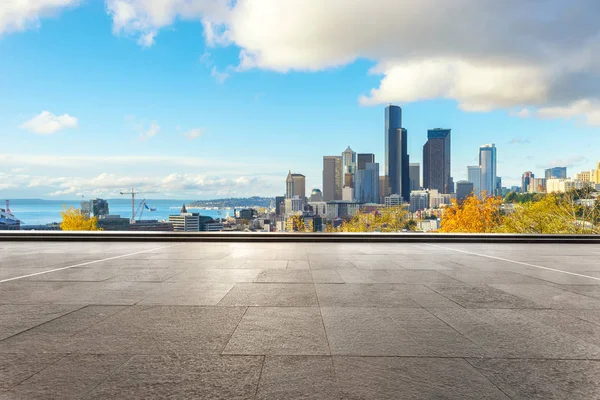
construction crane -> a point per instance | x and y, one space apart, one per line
133 211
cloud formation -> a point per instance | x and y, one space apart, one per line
193 133
18 15
150 132
47 123
485 54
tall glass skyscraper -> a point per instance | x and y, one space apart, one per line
487 162
437 161
396 153
366 188
474 176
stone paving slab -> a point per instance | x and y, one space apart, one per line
299 321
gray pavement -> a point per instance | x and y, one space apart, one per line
92 320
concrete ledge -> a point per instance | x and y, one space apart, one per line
292 237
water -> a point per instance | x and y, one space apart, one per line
41 212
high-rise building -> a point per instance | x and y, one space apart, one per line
332 178
498 190
526 181
349 161
537 185
364 158
299 185
396 153
415 176
595 174
384 188
279 203
556 173
366 185
487 162
437 161
289 186
419 200
474 176
464 189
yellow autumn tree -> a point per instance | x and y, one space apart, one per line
389 219
74 220
550 215
476 214
296 223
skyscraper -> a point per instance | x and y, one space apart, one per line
364 158
437 161
556 172
487 162
464 189
349 161
366 187
299 185
526 180
396 153
332 178
474 176
415 176
289 186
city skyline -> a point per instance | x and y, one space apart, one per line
198 103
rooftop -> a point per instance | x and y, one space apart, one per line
276 320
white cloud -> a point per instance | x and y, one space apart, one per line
18 15
587 109
485 54
47 123
194 133
523 113
150 132
220 77
144 18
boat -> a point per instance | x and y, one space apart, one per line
8 222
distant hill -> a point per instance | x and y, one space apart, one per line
254 201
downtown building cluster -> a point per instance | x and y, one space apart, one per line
556 180
355 181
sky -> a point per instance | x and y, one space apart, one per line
199 99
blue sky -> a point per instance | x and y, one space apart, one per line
201 99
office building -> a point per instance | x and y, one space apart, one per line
555 185
393 200
316 195
289 186
349 161
414 173
294 206
464 189
595 174
419 200
366 187
299 185
384 188
348 193
474 177
364 159
556 173
437 161
585 176
526 181
537 185
279 204
487 162
396 153
185 222
332 178
498 190
437 199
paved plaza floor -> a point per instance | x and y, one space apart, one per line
127 320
